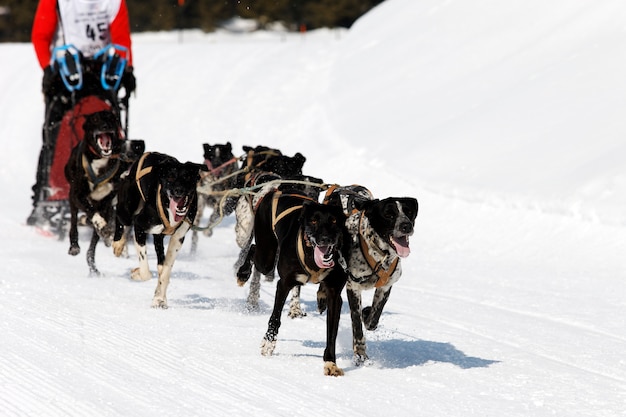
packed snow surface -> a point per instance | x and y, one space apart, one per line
504 119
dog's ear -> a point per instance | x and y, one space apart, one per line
306 206
409 206
247 148
364 204
90 122
228 147
299 159
338 213
206 147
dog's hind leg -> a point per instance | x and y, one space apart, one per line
322 304
358 338
91 255
243 266
269 340
196 223
143 272
295 309
252 302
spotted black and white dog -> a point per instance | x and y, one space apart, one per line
379 231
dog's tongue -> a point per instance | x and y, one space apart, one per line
323 257
177 206
402 246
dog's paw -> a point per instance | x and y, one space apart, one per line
136 275
267 347
74 250
295 310
119 246
361 360
98 222
331 369
252 307
159 303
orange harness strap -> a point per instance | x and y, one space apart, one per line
377 267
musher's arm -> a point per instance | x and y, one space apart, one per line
119 29
44 28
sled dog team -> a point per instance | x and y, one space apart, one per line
349 239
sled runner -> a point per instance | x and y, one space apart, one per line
81 86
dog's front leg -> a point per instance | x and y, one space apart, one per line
371 315
269 340
73 234
176 242
295 309
143 272
119 239
333 293
358 338
91 255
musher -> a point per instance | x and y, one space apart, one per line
87 26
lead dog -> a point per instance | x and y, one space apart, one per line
379 236
93 172
304 240
158 197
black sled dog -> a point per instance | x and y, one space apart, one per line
304 241
93 173
221 176
379 236
157 197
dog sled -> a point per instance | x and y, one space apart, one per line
81 86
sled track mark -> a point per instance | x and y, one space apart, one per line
523 313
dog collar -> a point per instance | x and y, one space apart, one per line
314 276
170 228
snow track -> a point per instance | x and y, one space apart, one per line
493 114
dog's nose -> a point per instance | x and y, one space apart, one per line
406 227
326 240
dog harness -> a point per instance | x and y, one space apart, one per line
376 266
301 239
98 180
141 172
214 171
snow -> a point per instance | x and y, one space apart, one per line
504 119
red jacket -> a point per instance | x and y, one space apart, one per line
46 23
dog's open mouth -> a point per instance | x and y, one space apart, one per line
105 142
401 245
179 207
323 256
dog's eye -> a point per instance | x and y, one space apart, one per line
314 222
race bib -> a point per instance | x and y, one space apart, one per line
85 23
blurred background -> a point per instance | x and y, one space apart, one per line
16 16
